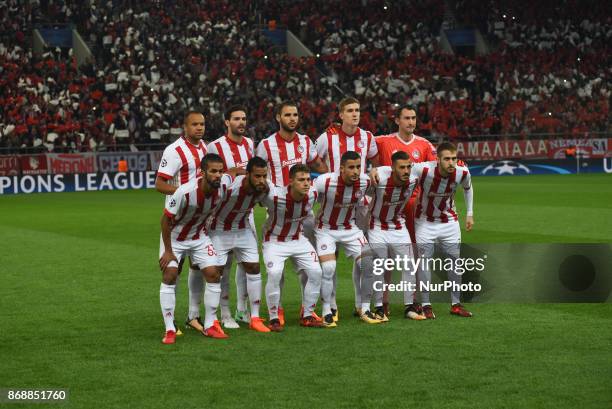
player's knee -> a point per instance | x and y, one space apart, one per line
251 268
274 276
212 274
169 275
328 269
314 276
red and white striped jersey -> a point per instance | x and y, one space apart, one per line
181 161
389 200
285 215
236 204
189 208
436 200
331 145
338 201
234 155
282 155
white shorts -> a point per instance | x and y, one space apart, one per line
242 243
300 251
447 235
353 241
390 243
202 251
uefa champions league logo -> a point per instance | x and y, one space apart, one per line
506 167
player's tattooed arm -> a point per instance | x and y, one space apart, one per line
168 256
162 186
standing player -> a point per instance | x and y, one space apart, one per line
182 223
436 217
388 235
339 194
331 145
180 164
230 229
284 149
419 149
288 207
235 149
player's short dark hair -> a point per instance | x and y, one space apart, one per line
399 155
346 101
279 107
256 162
446 146
407 107
349 155
210 158
298 168
192 111
234 108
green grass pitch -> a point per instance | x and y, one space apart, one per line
80 310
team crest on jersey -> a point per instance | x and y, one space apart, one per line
172 203
416 154
300 149
361 144
164 162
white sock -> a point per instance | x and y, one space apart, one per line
357 284
167 300
365 307
241 288
273 293
303 280
408 277
196 286
212 294
253 287
332 302
312 290
327 284
225 290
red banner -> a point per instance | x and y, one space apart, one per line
72 162
534 149
585 147
484 150
9 165
33 164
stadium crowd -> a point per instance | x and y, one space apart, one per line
153 60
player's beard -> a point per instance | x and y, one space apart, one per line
214 184
287 127
238 131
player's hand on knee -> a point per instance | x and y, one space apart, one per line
165 259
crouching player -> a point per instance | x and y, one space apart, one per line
230 229
339 194
182 227
436 220
388 234
288 207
